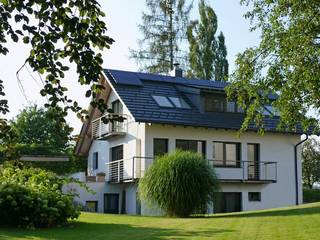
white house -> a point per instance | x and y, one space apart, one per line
163 113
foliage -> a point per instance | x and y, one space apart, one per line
311 162
286 63
31 197
180 183
207 54
311 195
59 31
39 131
41 126
160 33
4 109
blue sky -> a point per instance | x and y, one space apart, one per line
122 17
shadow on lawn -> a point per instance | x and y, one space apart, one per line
93 231
274 213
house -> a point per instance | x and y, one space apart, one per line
164 113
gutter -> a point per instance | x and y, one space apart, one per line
296 167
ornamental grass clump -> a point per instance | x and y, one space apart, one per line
32 197
181 183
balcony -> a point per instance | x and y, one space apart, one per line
102 131
245 171
131 169
127 170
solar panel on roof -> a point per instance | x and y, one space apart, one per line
124 77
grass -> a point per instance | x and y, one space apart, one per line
301 222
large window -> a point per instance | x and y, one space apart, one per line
95 160
160 146
214 103
226 154
218 103
192 145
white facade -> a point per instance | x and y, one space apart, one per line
138 142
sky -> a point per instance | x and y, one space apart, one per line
122 18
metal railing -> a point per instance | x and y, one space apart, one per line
245 170
127 170
99 129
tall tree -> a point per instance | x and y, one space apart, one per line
164 34
286 63
207 53
311 163
221 62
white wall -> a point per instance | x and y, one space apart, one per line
132 144
273 147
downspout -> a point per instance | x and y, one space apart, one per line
296 167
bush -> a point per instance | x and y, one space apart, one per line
311 195
181 183
31 197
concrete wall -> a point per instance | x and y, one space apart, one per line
132 144
273 147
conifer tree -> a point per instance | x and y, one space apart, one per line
207 54
163 31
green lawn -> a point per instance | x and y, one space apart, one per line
287 223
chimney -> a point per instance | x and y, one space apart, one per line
176 72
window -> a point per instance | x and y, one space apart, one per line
231 107
270 110
160 146
227 202
117 107
179 102
95 160
214 103
92 206
162 101
225 154
218 103
254 196
192 145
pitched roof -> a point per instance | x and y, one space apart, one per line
136 90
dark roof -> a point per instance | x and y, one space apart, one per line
136 90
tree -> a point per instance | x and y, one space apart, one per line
285 63
221 62
58 31
181 183
39 126
38 131
164 33
311 163
207 54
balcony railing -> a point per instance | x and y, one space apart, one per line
127 170
245 171
101 130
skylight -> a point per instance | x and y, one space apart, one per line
179 102
162 101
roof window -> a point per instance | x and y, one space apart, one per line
179 102
162 101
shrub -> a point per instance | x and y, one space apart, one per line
311 195
181 183
31 197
